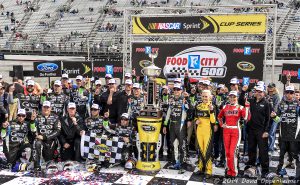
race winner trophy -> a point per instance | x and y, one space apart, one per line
149 123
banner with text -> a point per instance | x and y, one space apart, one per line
219 61
250 23
293 70
47 69
74 69
108 64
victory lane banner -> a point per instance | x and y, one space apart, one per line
250 23
218 61
47 69
74 69
293 70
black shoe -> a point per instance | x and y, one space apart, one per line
220 165
37 169
208 176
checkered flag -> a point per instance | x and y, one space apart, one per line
102 147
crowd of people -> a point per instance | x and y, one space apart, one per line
52 121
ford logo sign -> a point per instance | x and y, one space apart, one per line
47 67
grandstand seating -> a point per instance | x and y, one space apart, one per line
56 25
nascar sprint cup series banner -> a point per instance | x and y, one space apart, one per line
250 23
218 61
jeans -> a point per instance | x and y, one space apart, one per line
272 136
245 138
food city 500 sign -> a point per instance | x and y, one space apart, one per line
250 23
220 61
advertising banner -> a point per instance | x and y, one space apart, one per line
47 69
108 64
74 69
293 70
250 23
218 61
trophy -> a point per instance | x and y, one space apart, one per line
149 123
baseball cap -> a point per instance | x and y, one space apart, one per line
201 81
1 76
57 82
71 105
260 88
206 82
234 93
30 82
79 77
128 75
290 88
178 80
234 81
27 78
98 82
21 112
108 76
271 85
260 83
165 87
128 82
47 104
95 106
112 81
136 85
177 86
65 76
221 86
125 115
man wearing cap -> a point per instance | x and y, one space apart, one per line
15 134
30 102
258 128
58 99
124 99
274 99
234 84
80 96
288 115
71 127
128 133
65 84
176 118
96 123
231 131
109 102
97 92
46 126
135 103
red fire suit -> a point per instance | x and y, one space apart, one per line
232 134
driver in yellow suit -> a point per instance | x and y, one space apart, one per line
204 118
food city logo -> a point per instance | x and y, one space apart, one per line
247 50
147 50
47 67
245 66
199 61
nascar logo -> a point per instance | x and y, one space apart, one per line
200 61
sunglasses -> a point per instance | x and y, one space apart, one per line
258 91
94 109
98 85
125 119
21 115
177 89
289 92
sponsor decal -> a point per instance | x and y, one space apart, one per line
148 166
245 66
47 67
146 50
164 26
86 69
206 61
109 69
102 148
148 128
247 50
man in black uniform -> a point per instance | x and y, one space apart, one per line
29 102
123 98
80 97
15 135
178 115
58 99
46 127
259 124
71 131
135 104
